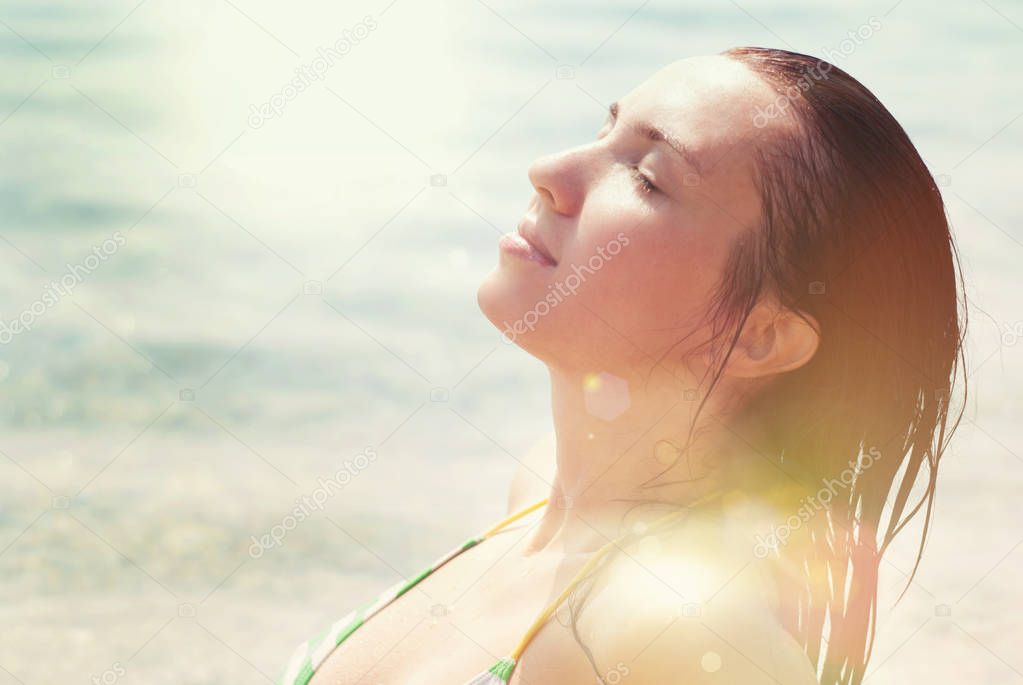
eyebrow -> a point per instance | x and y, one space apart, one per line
659 135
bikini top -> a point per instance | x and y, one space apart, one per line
310 655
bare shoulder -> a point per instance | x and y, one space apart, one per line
659 614
533 478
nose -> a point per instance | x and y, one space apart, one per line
560 180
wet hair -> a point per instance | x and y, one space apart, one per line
853 233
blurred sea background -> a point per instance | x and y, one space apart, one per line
274 295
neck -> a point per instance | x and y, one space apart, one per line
630 448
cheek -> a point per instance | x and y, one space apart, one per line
657 288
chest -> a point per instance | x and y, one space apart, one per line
453 624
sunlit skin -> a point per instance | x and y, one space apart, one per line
618 375
628 317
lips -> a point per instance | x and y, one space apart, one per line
527 229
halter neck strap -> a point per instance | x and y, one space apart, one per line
594 559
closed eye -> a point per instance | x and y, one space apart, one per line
655 134
642 180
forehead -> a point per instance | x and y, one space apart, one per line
709 103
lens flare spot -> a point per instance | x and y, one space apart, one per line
666 452
711 662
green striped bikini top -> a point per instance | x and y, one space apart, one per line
310 655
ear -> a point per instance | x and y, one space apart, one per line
773 340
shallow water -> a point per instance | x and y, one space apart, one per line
281 294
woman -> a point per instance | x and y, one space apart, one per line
747 297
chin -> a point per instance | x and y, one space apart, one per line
496 298
510 304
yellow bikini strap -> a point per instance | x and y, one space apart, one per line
515 517
545 615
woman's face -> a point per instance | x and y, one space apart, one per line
626 236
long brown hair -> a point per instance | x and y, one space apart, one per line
853 233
